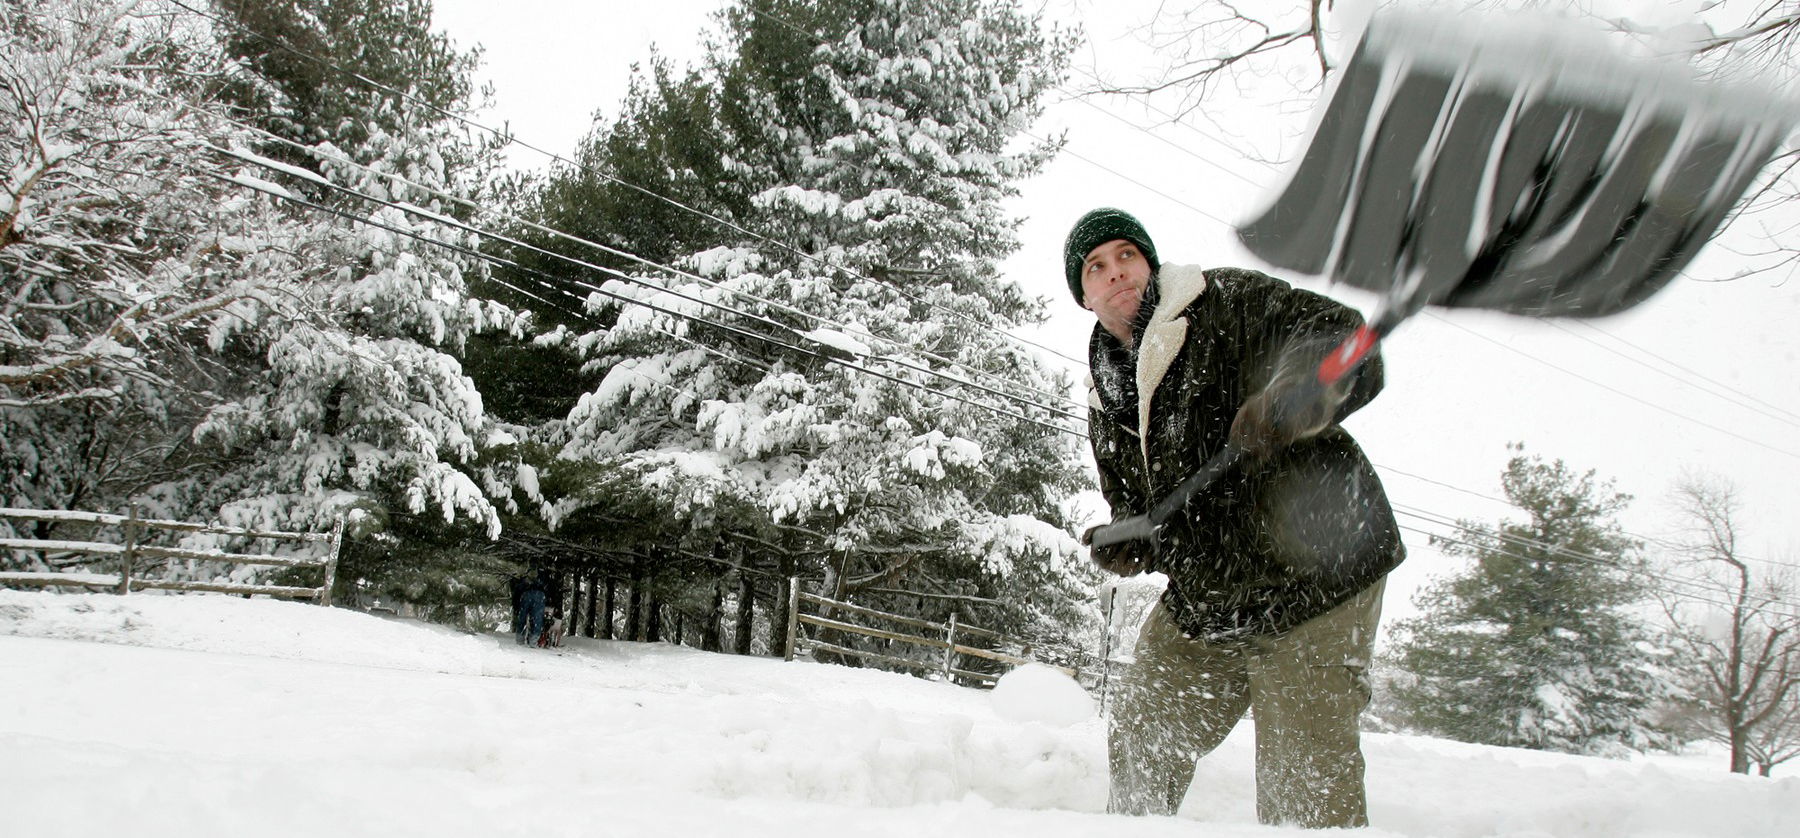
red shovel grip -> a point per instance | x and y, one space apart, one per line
1348 354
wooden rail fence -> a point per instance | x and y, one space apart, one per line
943 636
130 547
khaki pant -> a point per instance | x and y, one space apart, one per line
1306 689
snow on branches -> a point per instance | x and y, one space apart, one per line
210 313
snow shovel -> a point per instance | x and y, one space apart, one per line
1507 165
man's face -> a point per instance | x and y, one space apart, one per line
1113 277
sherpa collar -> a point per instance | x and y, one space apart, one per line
1163 337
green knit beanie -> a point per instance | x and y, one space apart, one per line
1097 228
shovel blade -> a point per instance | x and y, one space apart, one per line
1456 175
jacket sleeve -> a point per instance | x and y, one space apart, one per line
1299 329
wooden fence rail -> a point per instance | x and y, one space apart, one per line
130 547
945 637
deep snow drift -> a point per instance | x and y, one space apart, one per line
211 716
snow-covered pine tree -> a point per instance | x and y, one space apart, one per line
121 245
269 364
1533 643
840 361
360 406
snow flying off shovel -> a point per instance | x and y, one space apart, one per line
1501 164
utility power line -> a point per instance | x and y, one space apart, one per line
1555 552
1611 389
279 168
546 280
1689 590
1770 410
1552 552
510 139
506 216
1790 417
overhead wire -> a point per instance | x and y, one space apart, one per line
510 139
1793 418
1169 118
1648 539
1164 140
1556 552
544 279
420 212
1434 517
1611 389
467 203
315 178
1770 410
505 216
1687 590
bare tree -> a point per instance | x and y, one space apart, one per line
1206 42
1740 641
1777 740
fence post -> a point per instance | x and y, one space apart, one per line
793 627
950 649
1106 637
331 561
129 555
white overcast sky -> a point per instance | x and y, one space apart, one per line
1700 378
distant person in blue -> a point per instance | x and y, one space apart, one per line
531 610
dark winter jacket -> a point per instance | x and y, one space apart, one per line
1272 544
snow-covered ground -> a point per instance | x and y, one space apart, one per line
200 716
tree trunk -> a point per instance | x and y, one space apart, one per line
746 614
569 597
593 590
634 614
778 614
710 634
837 581
653 631
612 595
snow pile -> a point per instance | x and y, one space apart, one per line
212 716
1038 693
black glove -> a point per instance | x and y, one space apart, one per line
1126 558
1285 412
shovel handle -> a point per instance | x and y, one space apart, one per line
1144 527
1348 355
1134 528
